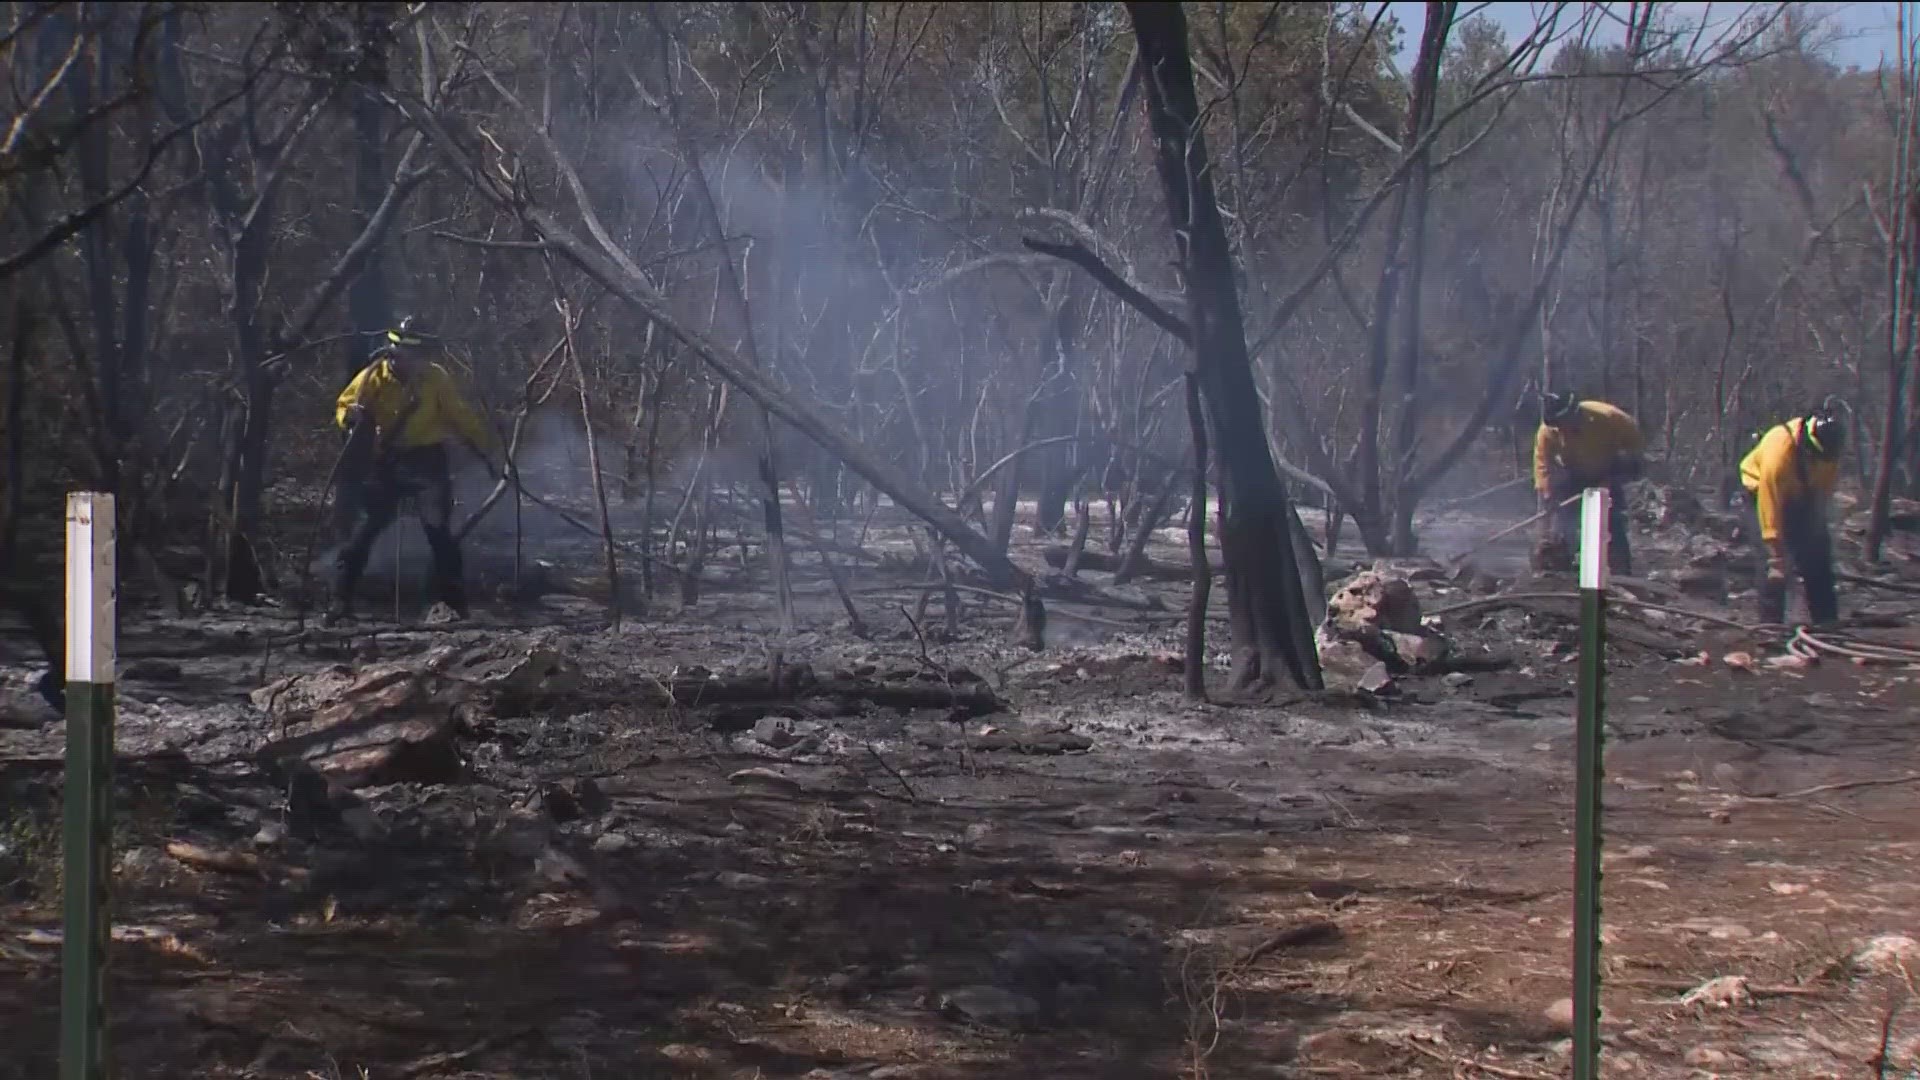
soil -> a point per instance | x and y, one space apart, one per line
1339 884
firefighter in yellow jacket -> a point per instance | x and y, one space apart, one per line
1790 476
399 413
1583 444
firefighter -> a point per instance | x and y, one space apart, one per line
399 413
1583 444
1789 476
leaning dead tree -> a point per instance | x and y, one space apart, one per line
498 179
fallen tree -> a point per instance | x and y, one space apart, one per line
603 261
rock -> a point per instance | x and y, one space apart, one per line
441 615
1887 954
1559 1016
1419 651
1343 658
989 1005
608 843
24 710
151 670
1376 680
775 731
1739 661
1381 615
1723 992
1707 1057
1457 679
1371 602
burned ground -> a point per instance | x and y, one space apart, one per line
1102 880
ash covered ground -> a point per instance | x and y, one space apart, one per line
535 846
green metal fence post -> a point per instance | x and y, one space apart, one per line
1589 741
88 834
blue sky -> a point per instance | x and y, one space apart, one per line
1866 30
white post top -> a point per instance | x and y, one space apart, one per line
1594 506
90 587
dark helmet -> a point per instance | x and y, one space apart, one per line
410 332
1826 433
1555 408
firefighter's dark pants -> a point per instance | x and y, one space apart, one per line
1803 532
367 504
1566 519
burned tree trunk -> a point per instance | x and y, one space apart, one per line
1196 642
369 299
1266 607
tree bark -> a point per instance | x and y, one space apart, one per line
1265 604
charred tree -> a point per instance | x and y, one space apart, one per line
369 298
1196 642
1266 606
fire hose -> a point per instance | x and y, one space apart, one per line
1810 646
1803 642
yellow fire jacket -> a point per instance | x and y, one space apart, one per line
1782 476
441 414
1587 449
